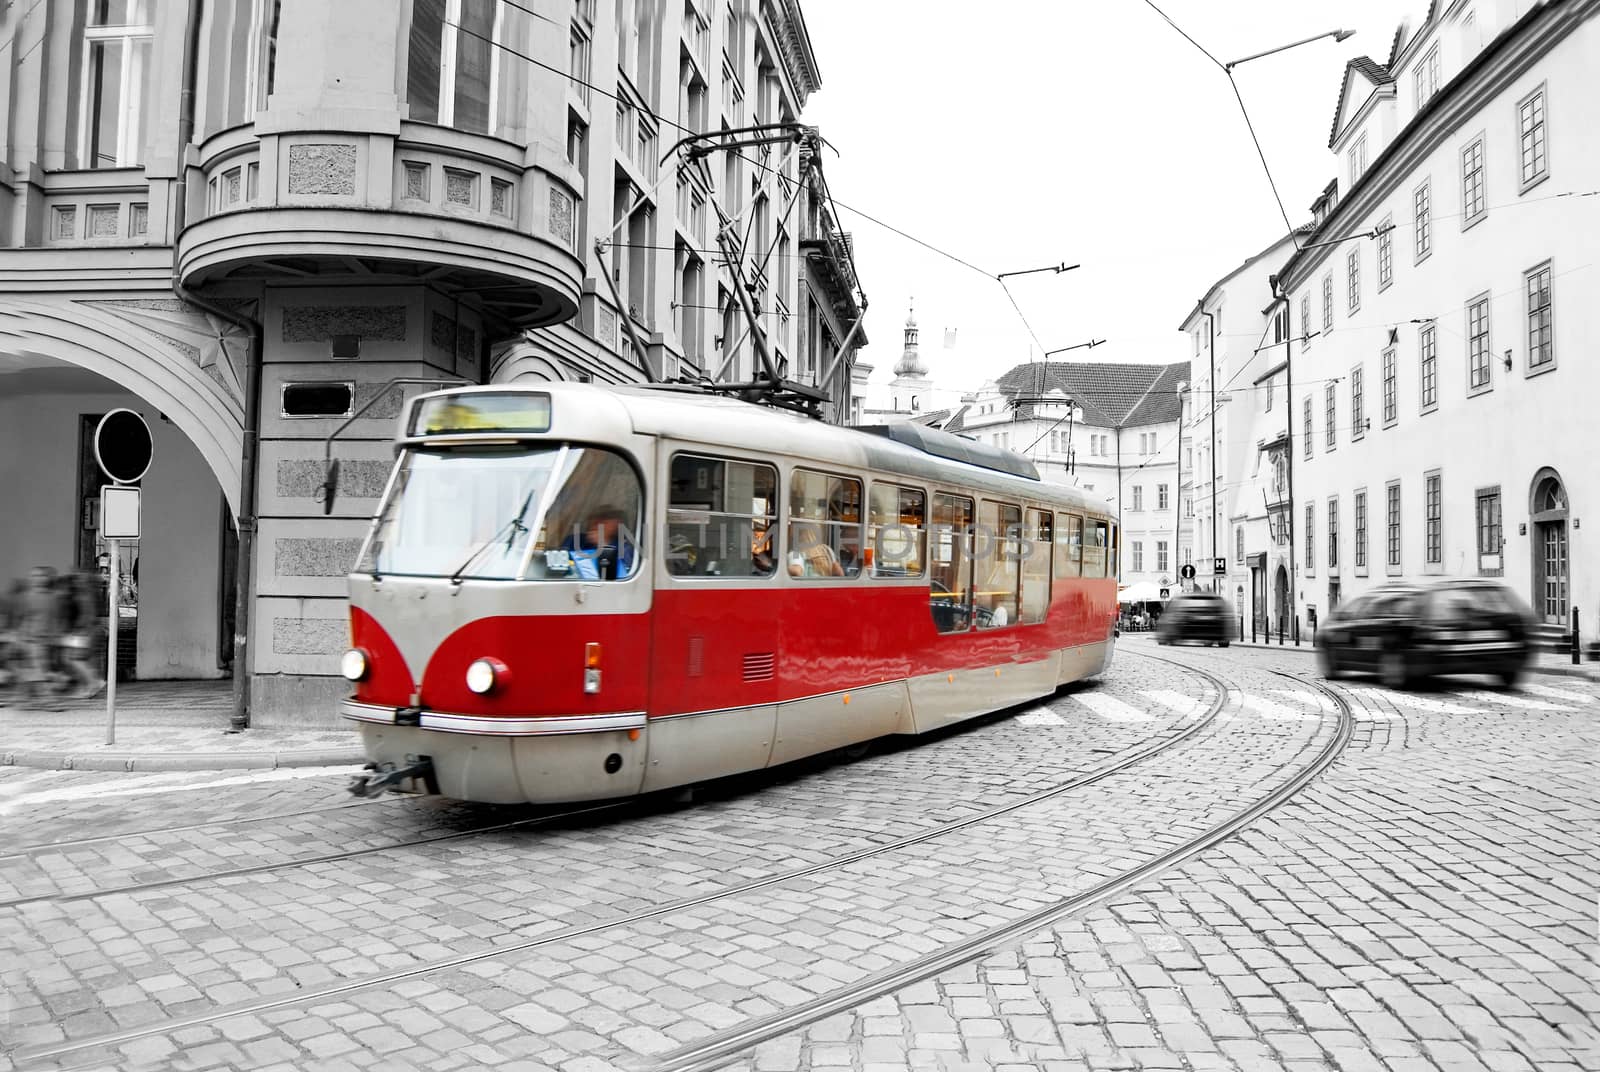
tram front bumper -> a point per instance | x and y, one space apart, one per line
510 760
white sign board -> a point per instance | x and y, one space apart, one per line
119 513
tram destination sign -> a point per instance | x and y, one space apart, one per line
482 411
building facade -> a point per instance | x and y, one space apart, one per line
1114 430
1240 471
245 218
1443 315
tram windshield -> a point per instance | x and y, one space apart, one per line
541 513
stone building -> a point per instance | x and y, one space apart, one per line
244 218
1442 310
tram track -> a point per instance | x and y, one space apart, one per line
722 1048
45 847
544 819
1123 761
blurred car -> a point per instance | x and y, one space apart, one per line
1202 616
1413 631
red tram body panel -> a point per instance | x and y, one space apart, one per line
575 593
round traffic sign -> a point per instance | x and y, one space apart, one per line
1187 572
122 446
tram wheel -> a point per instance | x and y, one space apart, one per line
859 750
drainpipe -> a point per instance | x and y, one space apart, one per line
1288 426
1211 431
250 381
1119 501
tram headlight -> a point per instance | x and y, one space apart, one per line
486 675
354 665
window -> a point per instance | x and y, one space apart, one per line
1352 267
1541 331
1422 221
1533 164
950 563
1188 506
1426 76
461 70
1311 539
1098 550
997 565
1068 560
241 61
1358 158
722 517
1361 532
1267 390
1333 534
1327 302
1330 397
1307 436
1489 533
1427 347
1138 556
824 525
1161 556
1391 408
1479 369
897 531
1385 254
1358 403
1393 492
1161 496
1305 321
114 119
1474 200
1038 541
1433 520
1138 497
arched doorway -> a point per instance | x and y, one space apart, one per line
1547 510
1280 598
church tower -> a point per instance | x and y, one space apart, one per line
910 384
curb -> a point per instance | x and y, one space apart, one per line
125 762
1591 674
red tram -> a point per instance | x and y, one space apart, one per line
573 592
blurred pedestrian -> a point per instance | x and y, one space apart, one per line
34 628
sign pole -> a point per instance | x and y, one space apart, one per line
111 647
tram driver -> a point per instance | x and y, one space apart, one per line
603 550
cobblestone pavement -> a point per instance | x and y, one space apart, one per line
1429 904
1435 861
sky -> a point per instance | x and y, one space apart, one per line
1023 133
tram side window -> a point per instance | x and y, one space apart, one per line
722 516
1069 547
1095 548
1036 554
950 564
1113 548
996 565
824 525
897 517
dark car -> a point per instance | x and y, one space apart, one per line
1202 616
1411 632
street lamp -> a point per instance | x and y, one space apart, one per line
1056 268
1090 345
1337 35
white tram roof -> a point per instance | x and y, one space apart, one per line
918 453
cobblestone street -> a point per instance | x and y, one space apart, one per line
1427 901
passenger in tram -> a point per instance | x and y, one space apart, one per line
603 552
811 557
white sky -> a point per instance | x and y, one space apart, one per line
1022 133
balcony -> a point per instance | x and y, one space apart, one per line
461 212
828 255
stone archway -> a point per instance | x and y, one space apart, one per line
181 362
1547 533
1280 598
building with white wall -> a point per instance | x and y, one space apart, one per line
1111 429
243 218
1237 333
1440 419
